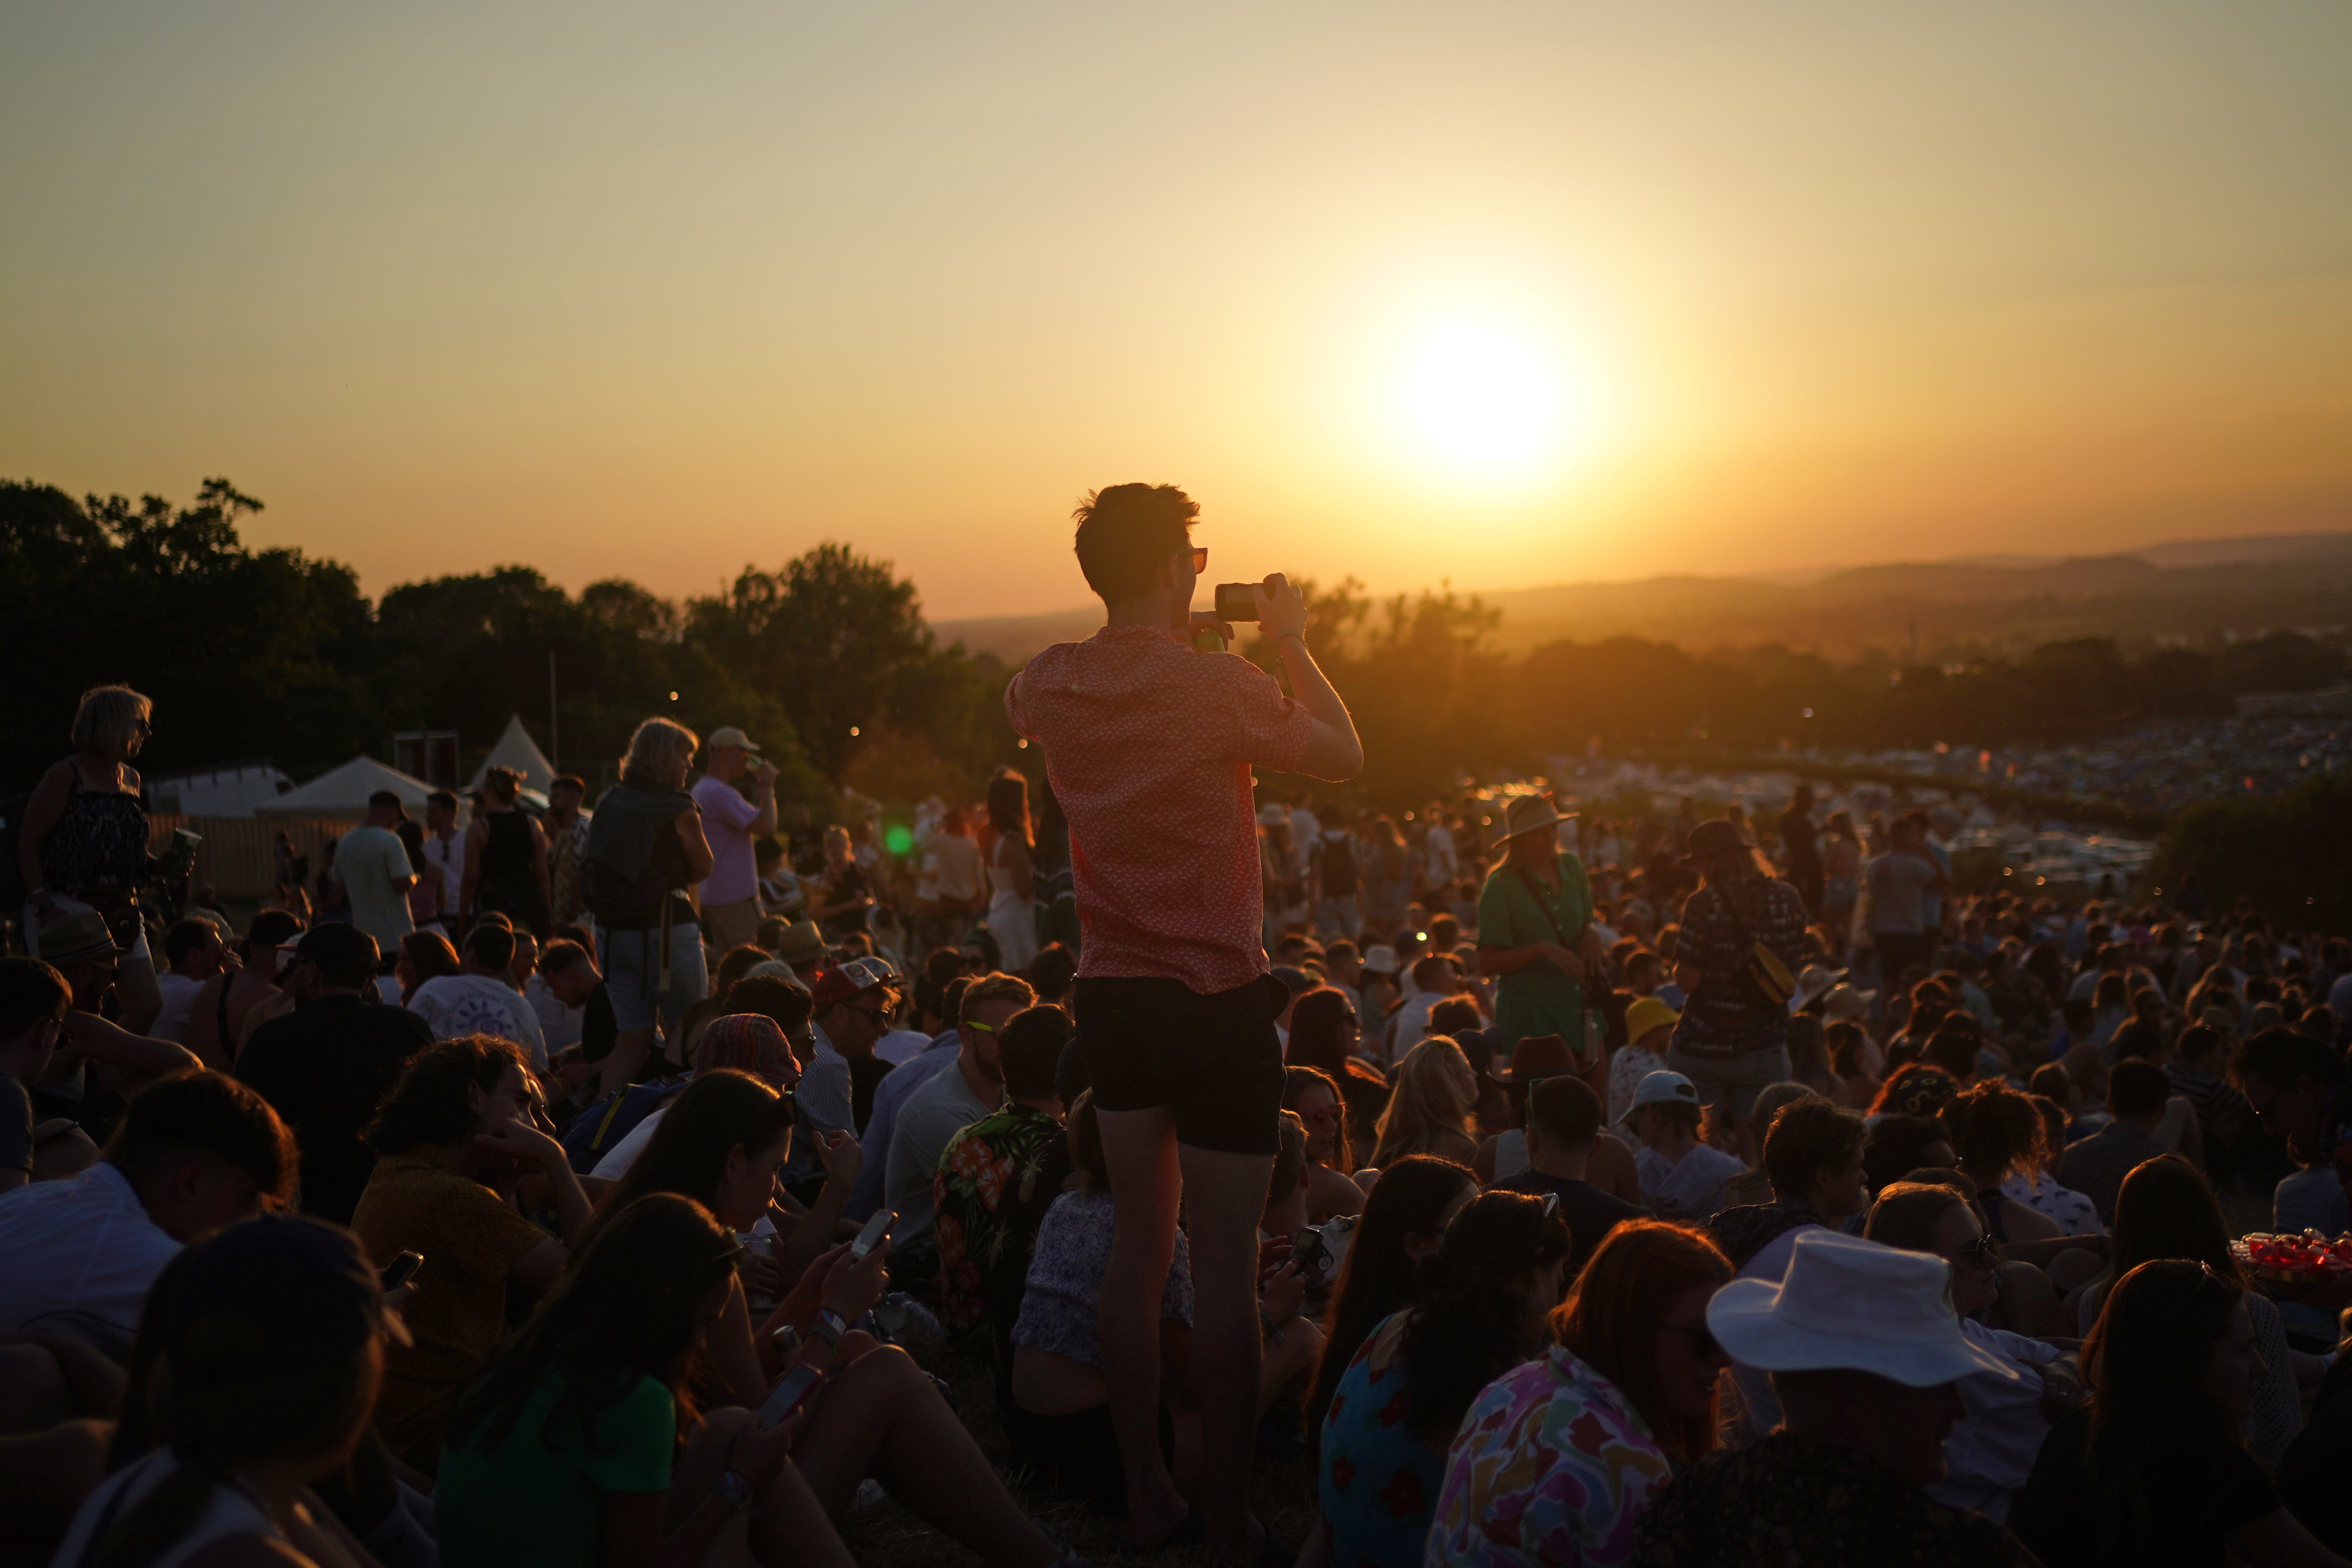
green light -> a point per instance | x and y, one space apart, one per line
897 838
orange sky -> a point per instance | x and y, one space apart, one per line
609 291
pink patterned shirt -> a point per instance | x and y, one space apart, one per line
1149 745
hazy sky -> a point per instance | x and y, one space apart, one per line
1507 293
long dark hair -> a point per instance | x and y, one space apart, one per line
1376 1276
2165 1208
1470 1305
723 1109
2155 1336
1610 1320
1008 805
630 1307
1296 1081
1315 1023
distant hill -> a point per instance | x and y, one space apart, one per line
2192 590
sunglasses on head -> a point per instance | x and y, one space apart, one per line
1978 1254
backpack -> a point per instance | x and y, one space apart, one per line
595 1131
626 902
1339 863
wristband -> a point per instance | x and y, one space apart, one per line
734 1489
1300 636
829 1327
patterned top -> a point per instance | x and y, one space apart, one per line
1551 1465
1149 745
1722 924
1062 1298
996 1179
2070 1208
1790 1500
1378 1478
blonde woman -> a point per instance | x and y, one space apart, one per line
1429 1113
83 845
645 848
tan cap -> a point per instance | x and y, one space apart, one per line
728 735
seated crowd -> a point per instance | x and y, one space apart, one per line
379 1257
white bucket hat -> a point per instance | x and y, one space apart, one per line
1661 1088
1380 959
1847 1304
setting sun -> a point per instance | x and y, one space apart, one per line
1479 395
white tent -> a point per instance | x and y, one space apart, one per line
517 751
344 791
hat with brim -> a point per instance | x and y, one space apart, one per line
1528 814
1844 1004
81 937
1663 1088
1380 959
1813 981
1644 1013
801 944
1273 815
1713 837
1533 1057
1846 1304
728 735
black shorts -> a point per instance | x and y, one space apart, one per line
1214 1061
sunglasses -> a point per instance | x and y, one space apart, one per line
1704 1344
1978 1254
1200 554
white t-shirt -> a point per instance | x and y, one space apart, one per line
459 1005
624 1154
367 861
80 1256
1690 1189
902 1046
727 819
559 1025
446 855
179 997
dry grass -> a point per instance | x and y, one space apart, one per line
893 1536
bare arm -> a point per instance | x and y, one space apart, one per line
698 858
2279 1539
99 1041
41 815
539 868
764 824
1334 751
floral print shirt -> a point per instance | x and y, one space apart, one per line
1551 1465
995 1180
1378 1478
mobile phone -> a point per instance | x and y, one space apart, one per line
1236 601
789 1396
871 1236
401 1269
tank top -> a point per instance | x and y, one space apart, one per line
508 883
100 842
226 1512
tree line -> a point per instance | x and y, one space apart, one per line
826 660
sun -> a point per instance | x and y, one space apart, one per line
1484 398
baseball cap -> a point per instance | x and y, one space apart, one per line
338 948
728 735
855 978
1664 1089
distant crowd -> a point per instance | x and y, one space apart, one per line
1151 1160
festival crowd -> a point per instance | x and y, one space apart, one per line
606 1184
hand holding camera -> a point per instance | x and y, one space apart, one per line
1274 605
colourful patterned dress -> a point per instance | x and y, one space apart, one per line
1378 1477
1551 1465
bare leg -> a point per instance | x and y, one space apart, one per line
789 1526
882 1415
1140 1147
1225 1194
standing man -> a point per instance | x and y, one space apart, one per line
372 864
445 852
567 845
1800 846
1536 936
1149 746
730 895
1899 882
